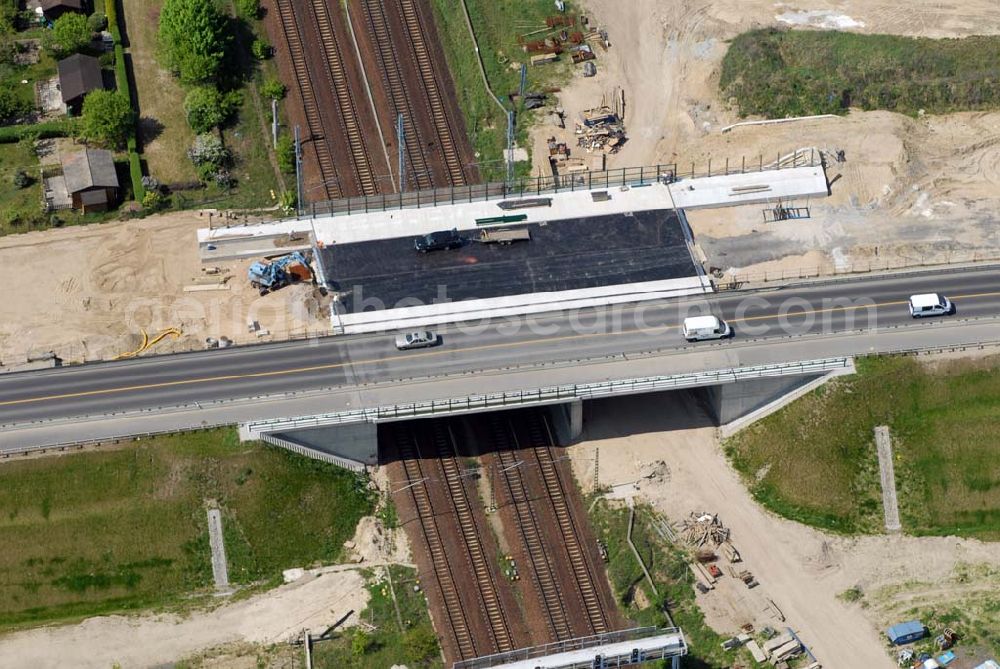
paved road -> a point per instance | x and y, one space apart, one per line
762 320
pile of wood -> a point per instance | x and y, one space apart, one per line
704 529
603 127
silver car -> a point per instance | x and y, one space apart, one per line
420 339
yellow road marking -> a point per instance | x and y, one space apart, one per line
439 352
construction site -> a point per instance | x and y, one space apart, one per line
493 507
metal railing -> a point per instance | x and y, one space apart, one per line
499 400
961 261
584 643
547 395
561 183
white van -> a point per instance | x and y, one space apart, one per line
930 304
698 328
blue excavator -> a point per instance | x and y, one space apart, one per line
267 276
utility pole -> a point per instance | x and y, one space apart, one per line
510 147
274 122
597 468
401 141
524 77
298 173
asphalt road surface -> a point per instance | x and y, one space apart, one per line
760 316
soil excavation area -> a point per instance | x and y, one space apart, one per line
86 293
921 189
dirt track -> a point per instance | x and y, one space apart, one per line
801 569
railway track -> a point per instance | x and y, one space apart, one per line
444 441
446 139
540 440
542 569
317 135
457 623
337 74
376 20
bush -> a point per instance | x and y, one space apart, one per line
70 33
108 118
201 107
273 89
152 183
208 149
288 201
12 106
153 200
248 9
22 179
780 73
97 22
420 643
206 108
286 154
361 642
224 179
260 49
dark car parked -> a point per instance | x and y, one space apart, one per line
438 241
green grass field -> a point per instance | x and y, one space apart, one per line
778 73
497 23
121 530
406 638
669 570
19 205
815 461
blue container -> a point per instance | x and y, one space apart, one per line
907 632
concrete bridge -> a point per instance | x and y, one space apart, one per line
342 387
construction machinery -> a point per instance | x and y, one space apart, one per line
270 275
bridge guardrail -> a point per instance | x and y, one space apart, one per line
79 444
549 395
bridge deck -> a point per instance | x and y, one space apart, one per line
570 254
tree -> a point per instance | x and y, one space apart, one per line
193 39
107 118
70 33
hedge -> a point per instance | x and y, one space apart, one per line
135 171
61 128
111 11
121 76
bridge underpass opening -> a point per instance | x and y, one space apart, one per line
498 529
356 444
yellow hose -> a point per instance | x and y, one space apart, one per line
148 343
